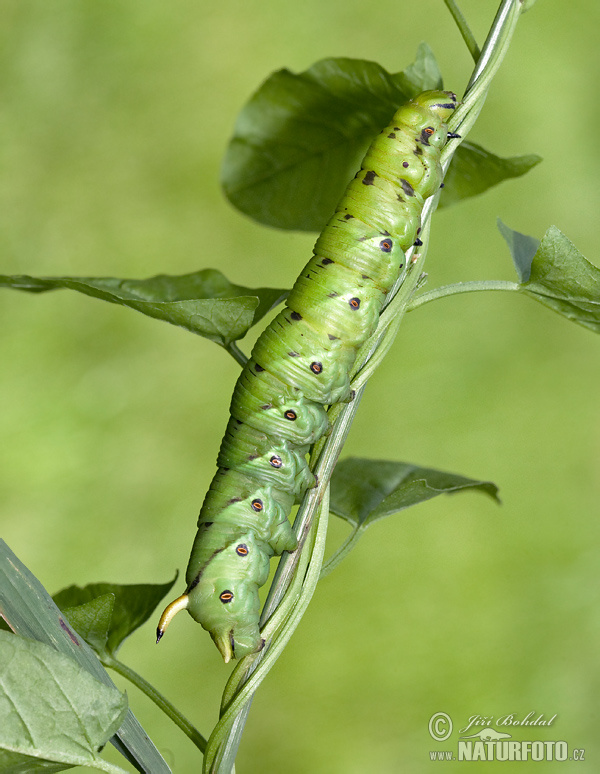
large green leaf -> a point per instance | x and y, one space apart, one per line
30 612
301 138
203 302
105 614
52 711
363 490
557 275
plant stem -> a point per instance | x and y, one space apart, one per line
236 353
341 552
164 704
461 287
464 29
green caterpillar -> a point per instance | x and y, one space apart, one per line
299 365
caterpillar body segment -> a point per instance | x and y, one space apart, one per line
300 365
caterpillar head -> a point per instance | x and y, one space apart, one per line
443 103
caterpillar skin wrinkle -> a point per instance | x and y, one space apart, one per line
301 364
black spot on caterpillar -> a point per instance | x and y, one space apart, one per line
426 134
263 466
407 187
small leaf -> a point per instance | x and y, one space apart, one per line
364 490
473 170
88 607
52 709
522 248
203 302
92 620
421 75
558 276
301 137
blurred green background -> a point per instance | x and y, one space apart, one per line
114 119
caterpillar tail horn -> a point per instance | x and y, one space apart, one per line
170 611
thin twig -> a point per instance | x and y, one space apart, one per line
464 29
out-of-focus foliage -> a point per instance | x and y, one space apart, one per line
115 121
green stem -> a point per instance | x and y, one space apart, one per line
464 29
341 552
492 55
461 287
164 704
236 353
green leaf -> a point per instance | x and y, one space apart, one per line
558 275
301 137
105 614
203 302
363 490
91 620
421 75
52 710
30 612
522 248
473 170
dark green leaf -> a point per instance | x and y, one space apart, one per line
558 276
364 490
92 620
301 137
203 302
133 606
522 248
473 170
30 612
53 710
421 75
